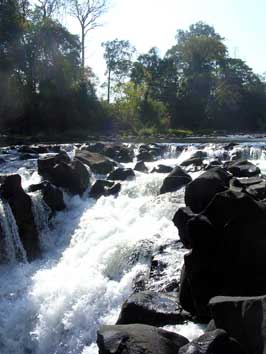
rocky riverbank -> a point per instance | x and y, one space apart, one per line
222 226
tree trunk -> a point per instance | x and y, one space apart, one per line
83 48
109 85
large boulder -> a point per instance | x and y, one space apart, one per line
180 220
121 174
148 307
138 339
119 153
61 171
243 318
98 163
177 179
242 168
21 206
201 191
104 188
215 342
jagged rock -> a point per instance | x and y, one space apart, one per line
138 338
98 163
162 169
244 319
121 174
177 179
215 342
140 167
52 196
104 188
201 191
21 206
180 220
152 308
145 156
242 168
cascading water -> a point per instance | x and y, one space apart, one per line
13 248
94 250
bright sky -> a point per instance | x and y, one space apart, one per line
148 23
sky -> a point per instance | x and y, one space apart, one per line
149 23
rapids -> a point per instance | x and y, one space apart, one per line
92 253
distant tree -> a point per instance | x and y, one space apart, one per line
88 14
118 55
48 8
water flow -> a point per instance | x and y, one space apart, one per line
14 249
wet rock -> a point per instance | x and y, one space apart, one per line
201 191
242 168
24 157
52 196
162 169
97 147
138 338
104 188
213 163
140 167
177 179
98 163
215 342
21 206
152 308
243 318
230 146
121 174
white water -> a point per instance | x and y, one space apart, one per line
93 251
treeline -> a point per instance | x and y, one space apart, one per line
45 87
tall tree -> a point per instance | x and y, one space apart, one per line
88 14
118 56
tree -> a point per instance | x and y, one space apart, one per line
88 13
48 8
118 55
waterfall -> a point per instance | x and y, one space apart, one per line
41 213
14 249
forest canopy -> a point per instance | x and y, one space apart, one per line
46 87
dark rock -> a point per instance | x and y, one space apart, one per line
98 163
177 179
119 153
180 220
230 146
104 188
213 163
73 177
152 308
215 342
46 165
52 196
138 339
201 191
243 318
195 161
121 174
97 147
145 156
242 168
162 169
140 167
21 206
